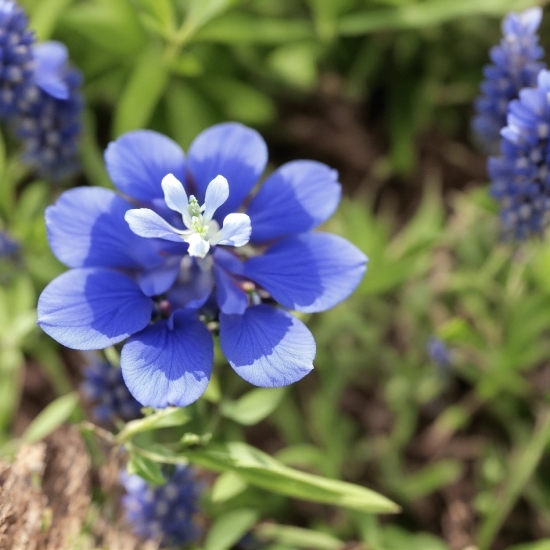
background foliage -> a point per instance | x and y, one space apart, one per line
381 89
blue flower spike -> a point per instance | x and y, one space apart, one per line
515 65
48 123
520 177
17 60
439 352
8 246
188 248
167 514
104 386
39 95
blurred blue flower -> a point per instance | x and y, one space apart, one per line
49 123
103 384
8 246
167 514
515 66
16 59
439 352
157 290
520 176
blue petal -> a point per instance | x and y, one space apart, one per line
267 346
93 308
192 292
231 298
50 68
233 151
138 161
296 198
310 272
157 280
169 363
86 228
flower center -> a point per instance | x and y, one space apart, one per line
201 229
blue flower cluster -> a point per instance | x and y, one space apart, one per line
16 57
50 128
520 176
515 66
103 384
439 352
8 247
193 252
167 514
39 95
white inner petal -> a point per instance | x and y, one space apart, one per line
235 231
217 193
197 246
174 194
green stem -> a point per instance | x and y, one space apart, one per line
521 471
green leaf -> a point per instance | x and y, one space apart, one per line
162 11
55 414
230 528
19 328
254 406
21 296
298 537
186 64
260 469
149 470
522 468
188 113
356 221
540 545
397 538
44 17
165 418
190 439
237 28
142 93
11 364
240 101
200 12
296 64
431 478
110 25
422 14
228 485
425 228
90 154
326 13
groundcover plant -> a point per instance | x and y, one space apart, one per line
342 344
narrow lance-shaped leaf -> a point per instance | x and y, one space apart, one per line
417 15
230 528
55 414
142 93
165 418
259 469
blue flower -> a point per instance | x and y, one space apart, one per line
16 58
49 123
515 66
156 275
8 247
438 351
167 514
103 384
520 176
